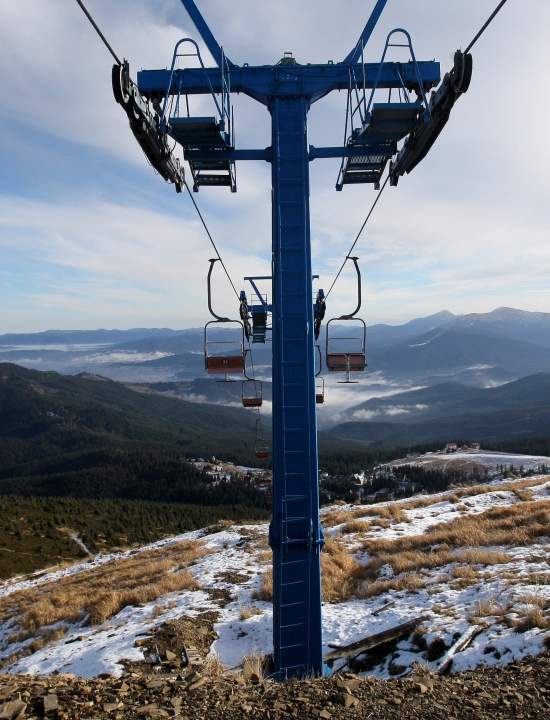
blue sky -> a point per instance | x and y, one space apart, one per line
90 236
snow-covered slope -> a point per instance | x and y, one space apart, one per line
489 464
504 587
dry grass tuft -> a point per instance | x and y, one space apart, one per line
333 545
406 581
464 575
339 574
249 612
540 579
336 517
213 667
411 560
101 592
533 618
253 668
265 591
535 600
488 608
265 556
382 515
523 494
355 526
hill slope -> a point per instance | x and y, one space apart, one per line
451 399
448 411
470 558
93 437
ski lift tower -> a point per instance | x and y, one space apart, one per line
288 89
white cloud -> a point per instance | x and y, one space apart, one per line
388 411
131 263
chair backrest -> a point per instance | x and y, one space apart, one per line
225 364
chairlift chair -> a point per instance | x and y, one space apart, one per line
262 452
347 353
377 127
223 357
206 140
319 381
262 449
252 393
320 391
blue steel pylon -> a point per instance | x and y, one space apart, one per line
288 90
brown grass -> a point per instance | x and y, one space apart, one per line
536 579
100 593
407 581
336 517
519 524
533 618
250 612
213 667
392 512
253 668
408 561
339 573
464 576
355 526
535 600
524 494
395 511
265 591
265 556
488 608
463 542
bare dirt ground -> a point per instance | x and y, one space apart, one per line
520 690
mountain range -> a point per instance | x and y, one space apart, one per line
452 411
478 349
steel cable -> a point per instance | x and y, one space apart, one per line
98 31
375 203
486 24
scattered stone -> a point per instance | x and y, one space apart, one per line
347 699
422 688
199 682
12 710
492 693
78 638
111 707
49 703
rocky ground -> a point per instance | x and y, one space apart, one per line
520 690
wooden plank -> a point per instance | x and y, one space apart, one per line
384 607
461 644
372 641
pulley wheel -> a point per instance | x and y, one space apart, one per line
121 82
463 65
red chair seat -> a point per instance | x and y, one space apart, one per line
252 402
